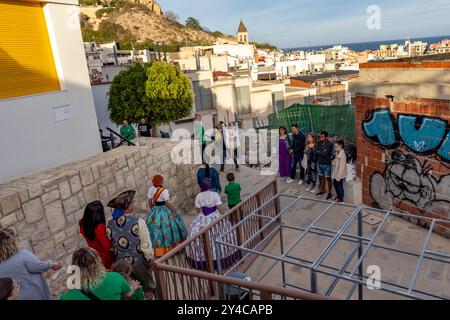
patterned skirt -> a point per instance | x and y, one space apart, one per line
166 229
195 253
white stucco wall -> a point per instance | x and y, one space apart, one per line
262 102
224 97
32 140
101 99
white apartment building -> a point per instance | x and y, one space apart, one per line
47 114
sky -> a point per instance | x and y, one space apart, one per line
304 23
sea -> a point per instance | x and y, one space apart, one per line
374 45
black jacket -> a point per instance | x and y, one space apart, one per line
298 143
324 152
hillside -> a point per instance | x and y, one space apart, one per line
141 22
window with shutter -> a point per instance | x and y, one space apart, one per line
26 59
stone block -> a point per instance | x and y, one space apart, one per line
112 188
120 180
60 237
95 173
55 216
20 215
33 210
143 152
131 163
91 193
86 176
106 176
72 231
35 191
149 161
50 197
8 221
10 203
130 182
71 205
44 250
136 156
75 184
23 196
122 162
72 243
64 190
104 195
39 237
82 199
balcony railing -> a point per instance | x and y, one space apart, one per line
193 270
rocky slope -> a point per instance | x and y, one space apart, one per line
145 20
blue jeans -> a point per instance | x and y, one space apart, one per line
297 161
324 170
339 187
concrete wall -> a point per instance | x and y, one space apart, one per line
262 102
100 93
45 208
32 140
403 141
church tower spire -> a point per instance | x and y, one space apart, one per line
242 34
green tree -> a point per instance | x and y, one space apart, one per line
159 92
193 23
127 95
169 93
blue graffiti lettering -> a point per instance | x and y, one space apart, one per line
422 135
381 128
444 151
425 139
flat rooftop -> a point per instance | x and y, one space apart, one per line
327 75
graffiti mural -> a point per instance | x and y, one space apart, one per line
407 179
425 136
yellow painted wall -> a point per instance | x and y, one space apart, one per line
26 60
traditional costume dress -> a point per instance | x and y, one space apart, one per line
208 201
166 227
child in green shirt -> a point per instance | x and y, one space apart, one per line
124 268
233 191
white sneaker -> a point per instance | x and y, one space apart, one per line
289 181
315 190
301 182
309 188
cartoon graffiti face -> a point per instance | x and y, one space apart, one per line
406 180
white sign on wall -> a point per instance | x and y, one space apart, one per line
62 113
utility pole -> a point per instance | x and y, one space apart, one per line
165 52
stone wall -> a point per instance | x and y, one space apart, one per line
403 138
45 208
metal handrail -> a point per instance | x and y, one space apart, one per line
284 292
123 139
187 242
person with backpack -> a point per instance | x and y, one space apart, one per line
165 225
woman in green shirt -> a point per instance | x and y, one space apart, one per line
96 283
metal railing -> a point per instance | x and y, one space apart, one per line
192 271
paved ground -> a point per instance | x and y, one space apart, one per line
434 277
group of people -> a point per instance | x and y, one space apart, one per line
117 262
321 163
225 137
